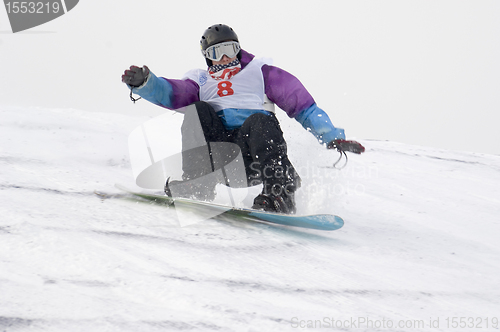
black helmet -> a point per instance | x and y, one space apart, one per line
215 34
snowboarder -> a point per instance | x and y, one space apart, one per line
229 100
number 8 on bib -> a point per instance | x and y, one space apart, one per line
225 89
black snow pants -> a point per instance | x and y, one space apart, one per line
257 147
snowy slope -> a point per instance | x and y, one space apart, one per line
420 245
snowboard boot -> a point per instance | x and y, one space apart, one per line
277 199
190 189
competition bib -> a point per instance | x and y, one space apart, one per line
244 90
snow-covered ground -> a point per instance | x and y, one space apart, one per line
419 250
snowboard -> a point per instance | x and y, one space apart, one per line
325 222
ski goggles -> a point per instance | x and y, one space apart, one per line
216 52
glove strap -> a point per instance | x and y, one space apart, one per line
132 97
342 154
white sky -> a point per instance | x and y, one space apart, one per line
419 72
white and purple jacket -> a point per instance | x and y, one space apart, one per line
281 87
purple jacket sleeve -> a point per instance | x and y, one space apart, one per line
185 92
286 91
171 94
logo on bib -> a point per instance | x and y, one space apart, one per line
203 79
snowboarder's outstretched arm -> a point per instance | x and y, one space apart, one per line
286 91
168 93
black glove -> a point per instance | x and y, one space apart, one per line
346 146
135 76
